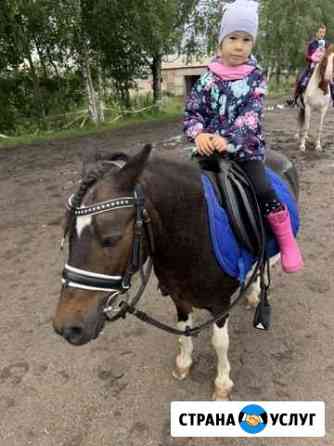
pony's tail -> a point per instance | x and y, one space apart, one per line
301 117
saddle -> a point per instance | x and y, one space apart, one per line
236 194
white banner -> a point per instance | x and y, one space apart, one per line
248 419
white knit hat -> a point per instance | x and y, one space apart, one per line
242 15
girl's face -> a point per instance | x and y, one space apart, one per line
236 48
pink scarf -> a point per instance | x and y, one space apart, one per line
230 73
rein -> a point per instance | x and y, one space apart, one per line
119 285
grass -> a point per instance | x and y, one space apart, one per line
285 88
172 108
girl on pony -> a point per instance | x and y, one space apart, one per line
315 51
224 114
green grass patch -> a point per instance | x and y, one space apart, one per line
284 88
172 108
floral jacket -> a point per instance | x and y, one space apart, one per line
232 109
313 47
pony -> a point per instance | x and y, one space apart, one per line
316 97
103 224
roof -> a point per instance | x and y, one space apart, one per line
182 62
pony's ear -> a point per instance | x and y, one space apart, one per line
129 174
94 157
118 159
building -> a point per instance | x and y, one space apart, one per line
178 76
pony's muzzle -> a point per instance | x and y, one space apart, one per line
73 333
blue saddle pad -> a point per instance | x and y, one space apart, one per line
233 258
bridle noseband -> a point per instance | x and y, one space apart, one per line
119 284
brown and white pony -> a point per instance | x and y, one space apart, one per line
316 97
102 237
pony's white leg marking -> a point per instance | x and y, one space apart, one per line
82 222
322 118
306 128
274 260
223 383
185 349
298 133
253 294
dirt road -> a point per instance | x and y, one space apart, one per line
117 390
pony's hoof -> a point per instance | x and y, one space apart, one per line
252 300
222 393
302 148
181 373
318 148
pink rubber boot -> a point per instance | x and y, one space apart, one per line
291 257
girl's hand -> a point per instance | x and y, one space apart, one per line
204 143
220 143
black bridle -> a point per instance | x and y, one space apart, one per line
116 285
119 285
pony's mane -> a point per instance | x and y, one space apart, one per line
88 179
323 84
103 165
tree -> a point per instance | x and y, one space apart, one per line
133 37
285 28
160 31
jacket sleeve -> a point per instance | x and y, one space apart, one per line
197 109
246 132
310 50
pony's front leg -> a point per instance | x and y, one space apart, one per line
322 118
223 382
252 297
253 294
305 127
185 348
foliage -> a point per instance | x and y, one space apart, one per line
48 48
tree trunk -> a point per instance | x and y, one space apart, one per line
123 94
100 99
278 75
41 60
91 93
53 64
156 74
37 92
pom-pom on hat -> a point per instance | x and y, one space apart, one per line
242 15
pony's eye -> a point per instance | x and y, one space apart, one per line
110 241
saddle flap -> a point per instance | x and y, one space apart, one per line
237 196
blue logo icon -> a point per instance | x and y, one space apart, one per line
253 419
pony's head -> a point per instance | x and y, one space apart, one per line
327 75
100 224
